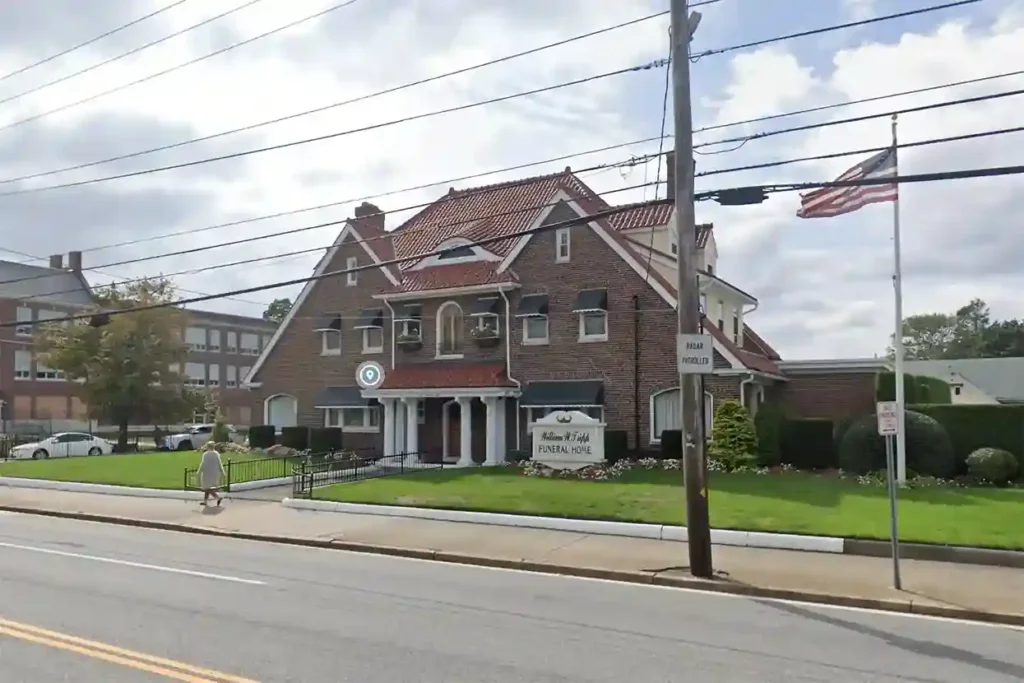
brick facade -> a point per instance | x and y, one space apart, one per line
829 395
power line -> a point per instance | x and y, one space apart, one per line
865 150
318 226
656 64
354 100
98 38
164 72
110 60
865 117
598 215
829 29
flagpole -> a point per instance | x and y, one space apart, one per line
897 284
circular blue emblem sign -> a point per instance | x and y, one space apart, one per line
369 375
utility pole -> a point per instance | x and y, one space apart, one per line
698 523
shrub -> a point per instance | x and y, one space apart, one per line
768 425
735 441
971 427
325 439
261 436
885 387
929 449
616 446
672 444
220 433
931 390
808 444
992 465
295 437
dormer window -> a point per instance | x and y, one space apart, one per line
563 245
458 252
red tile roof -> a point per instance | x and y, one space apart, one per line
642 216
446 376
457 275
752 341
750 360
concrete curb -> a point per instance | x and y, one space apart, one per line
643 578
658 532
938 553
131 491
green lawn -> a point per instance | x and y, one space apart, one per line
156 470
794 503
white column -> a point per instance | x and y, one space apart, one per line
501 442
412 430
389 426
465 431
491 403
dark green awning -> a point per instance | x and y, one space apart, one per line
568 394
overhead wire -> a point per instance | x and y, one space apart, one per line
721 50
109 60
87 43
589 218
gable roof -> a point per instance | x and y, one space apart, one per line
1000 378
43 285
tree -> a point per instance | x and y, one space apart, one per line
277 310
734 442
124 361
926 336
1004 339
220 426
967 333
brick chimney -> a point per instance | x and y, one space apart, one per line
670 175
57 261
370 215
75 261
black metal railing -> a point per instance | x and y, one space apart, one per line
311 474
245 471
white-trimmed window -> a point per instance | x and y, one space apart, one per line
449 330
594 326
25 319
352 276
215 340
231 345
250 344
563 245
213 376
231 381
23 365
44 316
373 340
46 374
535 413
666 413
487 324
195 374
353 419
330 343
535 329
195 338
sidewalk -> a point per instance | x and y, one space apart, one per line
930 587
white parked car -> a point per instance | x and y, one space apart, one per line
196 436
63 445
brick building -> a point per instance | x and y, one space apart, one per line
222 348
479 341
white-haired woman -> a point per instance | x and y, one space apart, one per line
211 469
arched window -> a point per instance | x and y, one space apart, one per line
449 330
281 410
666 413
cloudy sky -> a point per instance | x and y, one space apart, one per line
824 285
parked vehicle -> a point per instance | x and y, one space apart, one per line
196 436
63 445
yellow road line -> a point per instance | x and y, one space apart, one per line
168 668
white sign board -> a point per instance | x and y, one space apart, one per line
888 419
568 440
695 354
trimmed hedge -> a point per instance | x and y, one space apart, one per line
295 437
261 436
993 465
975 426
616 446
929 449
808 444
672 444
932 390
916 389
769 424
325 439
735 441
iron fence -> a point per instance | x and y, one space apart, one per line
312 474
244 471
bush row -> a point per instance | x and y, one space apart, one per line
916 389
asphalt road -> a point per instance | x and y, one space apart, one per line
157 606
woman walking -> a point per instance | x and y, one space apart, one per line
211 469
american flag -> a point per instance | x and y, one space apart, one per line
835 201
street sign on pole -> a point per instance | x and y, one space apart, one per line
695 354
888 418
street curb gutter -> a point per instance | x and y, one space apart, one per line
937 553
643 578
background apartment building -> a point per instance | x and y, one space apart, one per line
222 348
